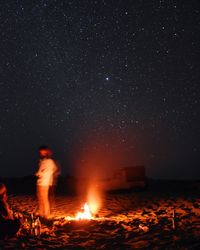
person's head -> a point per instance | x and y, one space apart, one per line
3 191
45 152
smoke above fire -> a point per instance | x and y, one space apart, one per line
99 155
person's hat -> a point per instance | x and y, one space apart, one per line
45 151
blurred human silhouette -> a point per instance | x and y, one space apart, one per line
9 226
46 169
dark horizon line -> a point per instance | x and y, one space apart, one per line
76 177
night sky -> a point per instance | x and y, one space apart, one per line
105 82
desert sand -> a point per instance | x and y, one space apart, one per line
157 218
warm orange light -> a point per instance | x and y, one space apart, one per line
85 215
94 198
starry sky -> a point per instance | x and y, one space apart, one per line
103 82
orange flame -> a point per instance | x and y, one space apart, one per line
85 215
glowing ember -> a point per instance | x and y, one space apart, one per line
85 215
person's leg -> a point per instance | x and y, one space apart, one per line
46 201
39 200
40 197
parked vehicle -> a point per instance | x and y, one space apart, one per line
125 178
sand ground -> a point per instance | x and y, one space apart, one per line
127 220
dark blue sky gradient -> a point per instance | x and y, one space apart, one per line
92 77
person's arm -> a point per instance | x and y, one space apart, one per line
41 169
9 213
57 172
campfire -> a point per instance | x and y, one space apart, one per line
85 215
91 205
90 208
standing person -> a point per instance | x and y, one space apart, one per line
47 167
9 226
